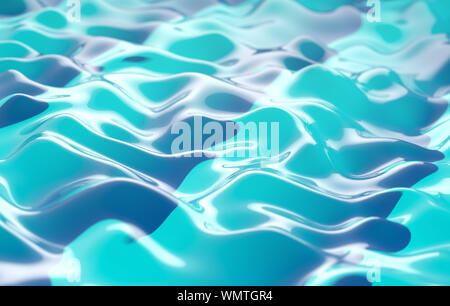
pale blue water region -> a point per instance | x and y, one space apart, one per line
91 194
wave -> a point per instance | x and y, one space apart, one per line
88 179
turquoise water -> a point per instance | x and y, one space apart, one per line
91 194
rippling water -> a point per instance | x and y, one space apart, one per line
91 194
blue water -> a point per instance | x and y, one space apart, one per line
92 194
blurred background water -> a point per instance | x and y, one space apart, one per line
91 194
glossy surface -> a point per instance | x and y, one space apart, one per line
90 193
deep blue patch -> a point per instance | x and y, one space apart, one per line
228 103
353 280
12 7
382 235
20 108
40 282
136 59
409 176
136 35
295 63
142 206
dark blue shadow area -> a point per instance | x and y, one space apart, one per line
228 103
408 176
136 59
10 8
20 108
142 206
353 280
